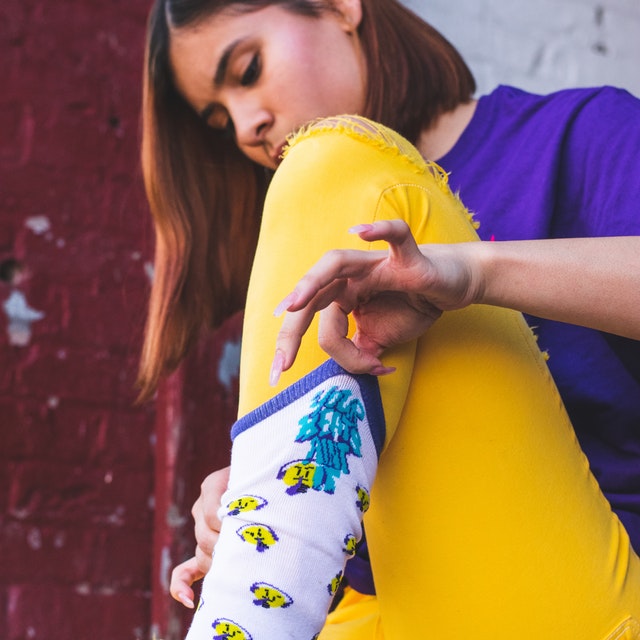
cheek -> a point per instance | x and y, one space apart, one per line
313 91
316 71
337 84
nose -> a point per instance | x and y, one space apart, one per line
251 122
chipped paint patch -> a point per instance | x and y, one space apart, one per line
38 224
165 568
34 539
21 316
149 270
229 364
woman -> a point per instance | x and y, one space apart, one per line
252 81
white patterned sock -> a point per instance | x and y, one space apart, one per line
301 469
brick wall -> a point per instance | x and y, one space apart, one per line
544 45
95 494
76 460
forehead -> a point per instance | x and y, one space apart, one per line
196 50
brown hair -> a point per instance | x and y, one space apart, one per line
206 197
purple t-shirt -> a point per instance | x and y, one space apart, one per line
564 165
557 166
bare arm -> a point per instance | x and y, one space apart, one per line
395 296
593 282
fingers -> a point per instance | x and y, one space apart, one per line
182 577
295 325
206 537
211 491
402 245
207 530
203 561
332 337
333 284
340 264
321 283
205 510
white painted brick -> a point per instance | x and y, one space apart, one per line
542 45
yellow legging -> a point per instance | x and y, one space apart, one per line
485 519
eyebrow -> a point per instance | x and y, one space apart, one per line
221 72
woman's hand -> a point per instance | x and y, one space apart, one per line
394 296
207 531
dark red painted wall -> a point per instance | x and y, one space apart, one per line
94 493
196 408
75 458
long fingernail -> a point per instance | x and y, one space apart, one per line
381 371
359 228
186 601
285 304
276 368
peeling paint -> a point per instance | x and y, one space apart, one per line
59 540
175 519
165 568
21 316
117 517
229 364
38 224
34 539
26 135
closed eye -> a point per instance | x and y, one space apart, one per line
252 72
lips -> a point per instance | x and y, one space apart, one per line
276 156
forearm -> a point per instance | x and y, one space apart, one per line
593 282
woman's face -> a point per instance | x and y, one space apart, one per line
265 73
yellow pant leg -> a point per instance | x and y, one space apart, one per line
356 618
485 519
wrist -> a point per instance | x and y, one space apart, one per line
483 263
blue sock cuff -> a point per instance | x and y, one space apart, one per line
369 389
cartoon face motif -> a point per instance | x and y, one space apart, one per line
270 597
364 501
229 630
244 504
260 535
350 543
298 476
334 584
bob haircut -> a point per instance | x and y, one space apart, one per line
206 197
